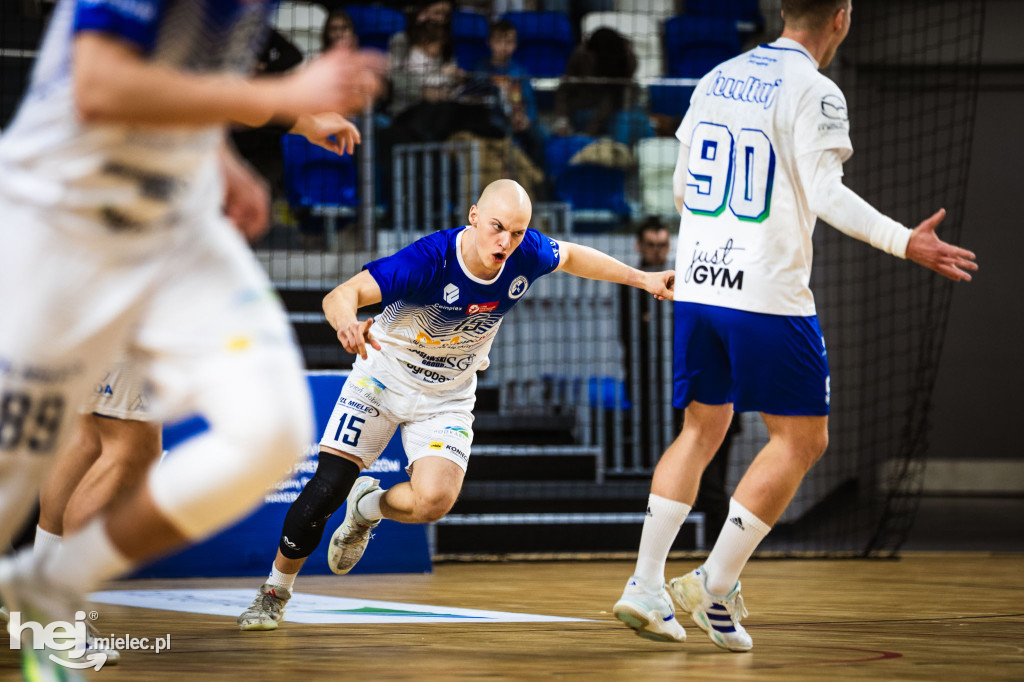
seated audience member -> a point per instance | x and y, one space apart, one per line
339 30
513 82
422 66
607 105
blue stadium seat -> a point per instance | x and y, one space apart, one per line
315 177
746 13
669 99
545 42
469 36
558 151
695 45
593 188
375 25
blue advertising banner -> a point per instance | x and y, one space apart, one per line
248 547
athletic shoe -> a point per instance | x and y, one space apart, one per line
267 609
649 613
26 591
718 616
91 633
349 542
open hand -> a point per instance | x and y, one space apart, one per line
925 248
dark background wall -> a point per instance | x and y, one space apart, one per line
978 397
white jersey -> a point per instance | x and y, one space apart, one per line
745 232
118 176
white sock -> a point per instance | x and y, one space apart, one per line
369 505
45 542
279 579
84 560
740 536
664 518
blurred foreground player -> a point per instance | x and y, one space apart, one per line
762 151
113 242
444 297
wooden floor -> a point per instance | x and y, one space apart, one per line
924 617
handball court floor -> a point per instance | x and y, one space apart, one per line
922 617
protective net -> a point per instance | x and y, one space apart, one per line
578 100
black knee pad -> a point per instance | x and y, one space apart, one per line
322 496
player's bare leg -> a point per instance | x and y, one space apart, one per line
129 448
73 460
431 492
711 593
644 605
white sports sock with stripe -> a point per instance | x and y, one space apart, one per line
740 536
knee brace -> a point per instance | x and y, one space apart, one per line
322 496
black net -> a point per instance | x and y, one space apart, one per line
579 100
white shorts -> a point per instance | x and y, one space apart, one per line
190 305
433 424
122 393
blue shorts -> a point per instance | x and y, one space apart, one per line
774 364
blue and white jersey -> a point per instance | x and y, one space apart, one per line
439 321
745 232
120 176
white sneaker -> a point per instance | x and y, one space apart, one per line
25 591
650 614
266 610
350 539
91 634
718 616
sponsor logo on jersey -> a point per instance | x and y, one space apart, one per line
451 293
372 384
833 106
474 308
436 445
462 455
710 266
752 89
518 287
461 430
357 406
441 361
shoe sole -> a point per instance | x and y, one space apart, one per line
640 621
258 627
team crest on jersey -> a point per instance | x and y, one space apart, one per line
518 287
475 308
451 293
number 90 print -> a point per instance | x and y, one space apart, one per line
725 171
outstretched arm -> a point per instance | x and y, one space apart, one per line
822 173
583 261
340 308
115 83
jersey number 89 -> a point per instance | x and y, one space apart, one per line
724 171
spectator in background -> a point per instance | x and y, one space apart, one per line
339 30
605 107
422 65
653 244
517 94
261 147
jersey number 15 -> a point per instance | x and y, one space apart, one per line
722 170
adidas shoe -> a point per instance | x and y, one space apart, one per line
350 539
267 609
718 616
650 614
